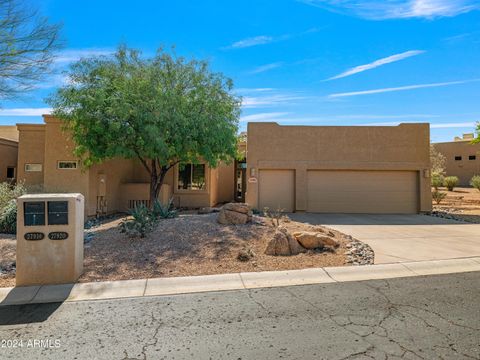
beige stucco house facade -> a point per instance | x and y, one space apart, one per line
296 168
8 153
339 169
46 163
462 158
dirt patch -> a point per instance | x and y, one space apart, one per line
193 245
462 204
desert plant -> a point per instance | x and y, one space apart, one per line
141 223
273 216
164 211
9 192
475 182
8 218
437 180
437 161
438 196
450 182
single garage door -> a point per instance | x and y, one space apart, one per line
276 189
368 192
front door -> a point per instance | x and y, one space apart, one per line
240 180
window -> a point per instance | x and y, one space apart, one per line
67 165
10 172
33 167
191 177
472 157
458 158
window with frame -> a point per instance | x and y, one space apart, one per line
67 165
33 167
191 177
10 172
458 158
472 157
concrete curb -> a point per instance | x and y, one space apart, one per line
224 282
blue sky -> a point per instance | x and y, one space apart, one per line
310 62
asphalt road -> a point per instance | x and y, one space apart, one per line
436 317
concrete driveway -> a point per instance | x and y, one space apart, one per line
400 238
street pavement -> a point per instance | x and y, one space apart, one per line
434 317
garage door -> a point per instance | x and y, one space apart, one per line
276 189
369 192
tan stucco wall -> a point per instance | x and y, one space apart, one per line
31 149
9 132
463 169
303 148
8 157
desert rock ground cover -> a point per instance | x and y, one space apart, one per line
188 245
460 204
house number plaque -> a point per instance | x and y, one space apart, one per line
34 236
58 235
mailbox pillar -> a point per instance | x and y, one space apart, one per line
49 239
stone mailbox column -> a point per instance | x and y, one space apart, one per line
49 239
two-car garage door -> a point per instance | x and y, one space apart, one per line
369 192
343 191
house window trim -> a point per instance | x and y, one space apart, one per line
67 161
27 164
190 191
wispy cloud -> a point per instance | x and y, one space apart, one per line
400 88
266 39
377 63
266 67
263 116
397 9
268 97
254 41
70 55
25 111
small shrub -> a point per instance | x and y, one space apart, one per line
144 219
475 182
245 255
142 222
8 218
273 216
450 182
437 180
9 192
166 211
438 196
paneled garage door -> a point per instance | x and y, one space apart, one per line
369 192
276 189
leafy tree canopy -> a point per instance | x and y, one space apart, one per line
162 110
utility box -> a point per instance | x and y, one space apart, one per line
49 238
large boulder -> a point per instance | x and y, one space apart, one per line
313 240
283 244
235 214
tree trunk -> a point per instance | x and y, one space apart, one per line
157 176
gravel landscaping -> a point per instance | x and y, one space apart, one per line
194 245
462 204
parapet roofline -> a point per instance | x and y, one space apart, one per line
338 126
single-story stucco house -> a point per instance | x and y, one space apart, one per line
344 169
8 153
462 158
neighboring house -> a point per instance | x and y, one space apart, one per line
462 158
296 168
8 153
339 169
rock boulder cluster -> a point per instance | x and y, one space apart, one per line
235 214
285 244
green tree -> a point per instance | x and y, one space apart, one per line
28 43
437 161
163 111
